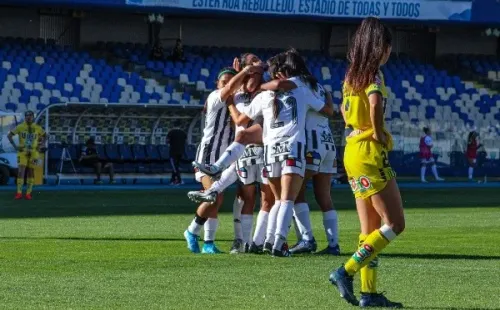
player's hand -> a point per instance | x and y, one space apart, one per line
236 64
382 138
280 76
254 69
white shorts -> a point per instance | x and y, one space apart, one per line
322 161
252 174
198 176
287 166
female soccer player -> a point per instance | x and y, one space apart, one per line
426 156
472 147
248 169
366 162
216 136
320 162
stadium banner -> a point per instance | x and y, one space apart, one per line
385 9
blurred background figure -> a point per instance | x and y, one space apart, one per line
177 145
426 156
472 147
177 51
90 158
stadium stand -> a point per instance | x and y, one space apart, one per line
38 73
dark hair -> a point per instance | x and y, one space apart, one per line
371 41
243 60
226 70
471 137
291 64
426 130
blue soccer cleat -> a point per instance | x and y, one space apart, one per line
343 282
192 242
377 300
210 248
330 250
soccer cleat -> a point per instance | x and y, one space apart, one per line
268 248
192 242
28 197
210 170
256 249
439 179
210 248
343 282
283 252
237 247
377 300
303 246
202 196
330 250
18 196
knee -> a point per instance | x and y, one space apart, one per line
241 137
398 226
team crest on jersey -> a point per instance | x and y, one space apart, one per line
313 158
347 104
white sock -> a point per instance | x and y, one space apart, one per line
237 206
330 223
422 172
283 221
298 228
259 235
271 222
232 153
387 232
228 177
302 218
471 172
210 229
194 227
246 225
435 171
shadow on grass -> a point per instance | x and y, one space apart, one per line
52 204
391 255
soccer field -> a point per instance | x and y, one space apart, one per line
124 249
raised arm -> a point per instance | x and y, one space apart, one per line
274 85
237 81
377 116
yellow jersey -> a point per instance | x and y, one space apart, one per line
29 136
357 107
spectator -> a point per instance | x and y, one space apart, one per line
178 51
157 52
90 158
177 144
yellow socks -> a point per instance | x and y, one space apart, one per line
20 183
368 274
30 182
373 244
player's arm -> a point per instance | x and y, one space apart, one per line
237 81
327 109
276 85
377 116
239 119
11 135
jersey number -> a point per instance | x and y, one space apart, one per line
290 103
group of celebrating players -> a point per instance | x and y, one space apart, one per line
283 139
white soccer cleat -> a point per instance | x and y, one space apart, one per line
201 196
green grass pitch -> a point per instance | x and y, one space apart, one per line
125 250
